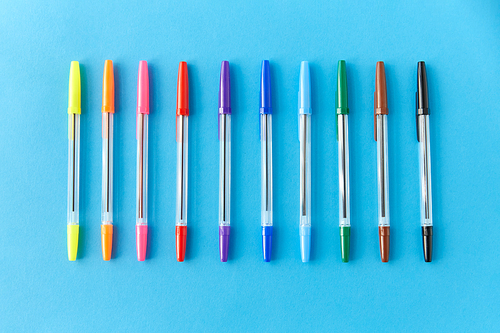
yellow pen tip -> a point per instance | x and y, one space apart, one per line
74 96
73 231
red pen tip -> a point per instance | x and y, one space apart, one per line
180 242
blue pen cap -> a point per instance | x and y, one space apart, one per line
265 89
304 89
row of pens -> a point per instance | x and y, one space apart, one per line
182 114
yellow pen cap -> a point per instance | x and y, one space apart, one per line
75 95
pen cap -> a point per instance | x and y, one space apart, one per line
380 98
108 88
304 89
224 89
422 92
182 90
143 88
265 89
74 96
341 96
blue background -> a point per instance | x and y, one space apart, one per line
41 290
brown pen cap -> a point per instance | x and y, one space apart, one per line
380 99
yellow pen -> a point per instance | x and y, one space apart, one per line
74 111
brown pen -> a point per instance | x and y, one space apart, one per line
380 125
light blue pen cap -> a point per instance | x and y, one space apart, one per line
304 89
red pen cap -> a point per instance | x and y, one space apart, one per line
182 90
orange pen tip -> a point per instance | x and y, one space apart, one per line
106 240
108 88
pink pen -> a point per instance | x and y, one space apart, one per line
141 225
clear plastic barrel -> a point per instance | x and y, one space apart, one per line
142 169
424 147
73 169
382 172
344 193
107 169
182 171
266 139
305 169
225 170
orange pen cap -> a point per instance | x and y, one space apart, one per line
108 88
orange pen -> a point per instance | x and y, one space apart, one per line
108 109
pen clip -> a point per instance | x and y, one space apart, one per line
375 116
416 115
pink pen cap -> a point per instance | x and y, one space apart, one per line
141 228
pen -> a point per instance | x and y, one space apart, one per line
422 115
343 141
224 160
108 109
380 118
266 139
305 112
181 125
141 226
74 111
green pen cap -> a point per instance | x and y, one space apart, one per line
341 95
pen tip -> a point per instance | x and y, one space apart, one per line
427 243
224 242
384 233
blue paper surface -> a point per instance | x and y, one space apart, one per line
40 290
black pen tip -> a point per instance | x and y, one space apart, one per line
427 243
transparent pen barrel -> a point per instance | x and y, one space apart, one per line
182 171
266 139
142 169
425 171
107 169
73 168
343 158
382 172
305 169
225 170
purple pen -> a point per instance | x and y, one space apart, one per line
224 160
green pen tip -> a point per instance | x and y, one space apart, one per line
345 235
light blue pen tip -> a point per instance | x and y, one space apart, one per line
305 243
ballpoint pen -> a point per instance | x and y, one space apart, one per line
181 122
305 112
380 119
74 111
108 110
343 151
224 160
141 226
266 139
422 115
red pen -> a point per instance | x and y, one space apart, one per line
181 126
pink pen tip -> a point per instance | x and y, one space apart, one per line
143 88
141 239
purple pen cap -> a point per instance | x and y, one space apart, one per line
224 89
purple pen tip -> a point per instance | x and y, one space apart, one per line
223 243
224 89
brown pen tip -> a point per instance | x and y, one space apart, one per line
384 235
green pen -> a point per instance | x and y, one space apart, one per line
343 140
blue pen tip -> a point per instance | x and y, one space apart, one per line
267 233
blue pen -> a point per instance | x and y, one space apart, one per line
266 139
305 160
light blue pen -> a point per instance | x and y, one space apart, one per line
305 160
